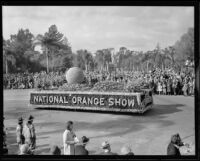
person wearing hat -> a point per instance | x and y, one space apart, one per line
107 149
126 150
19 132
29 133
5 149
80 148
69 139
55 150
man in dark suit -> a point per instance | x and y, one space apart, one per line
107 149
80 148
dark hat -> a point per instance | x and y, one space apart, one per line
55 150
30 118
20 120
85 139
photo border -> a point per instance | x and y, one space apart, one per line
196 6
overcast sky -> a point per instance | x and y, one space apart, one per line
93 28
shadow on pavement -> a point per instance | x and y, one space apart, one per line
158 110
45 151
122 126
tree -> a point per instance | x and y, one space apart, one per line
8 55
50 41
99 58
19 44
107 57
170 52
184 48
84 59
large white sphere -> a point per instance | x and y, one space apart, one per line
74 75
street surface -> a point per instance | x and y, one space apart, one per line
147 134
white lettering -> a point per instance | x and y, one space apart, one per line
101 101
35 98
50 99
96 102
117 101
61 99
79 100
131 102
65 100
124 102
74 100
40 99
55 99
43 98
84 101
90 101
110 101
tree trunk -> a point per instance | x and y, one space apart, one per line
107 65
86 67
47 60
6 66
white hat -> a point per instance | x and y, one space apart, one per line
105 145
125 150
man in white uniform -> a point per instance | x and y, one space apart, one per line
69 139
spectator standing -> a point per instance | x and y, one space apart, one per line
5 149
126 150
80 149
190 84
55 150
159 87
193 85
175 144
179 87
174 86
107 149
164 86
29 133
69 139
185 89
19 132
168 87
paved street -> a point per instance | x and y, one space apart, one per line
147 134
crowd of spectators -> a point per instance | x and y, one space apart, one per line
33 80
26 140
167 82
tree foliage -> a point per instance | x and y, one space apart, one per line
19 54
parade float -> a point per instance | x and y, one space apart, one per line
106 96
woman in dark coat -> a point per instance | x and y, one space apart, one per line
174 145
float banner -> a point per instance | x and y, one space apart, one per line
85 100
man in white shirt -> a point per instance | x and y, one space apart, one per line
69 139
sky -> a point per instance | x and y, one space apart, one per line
137 28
